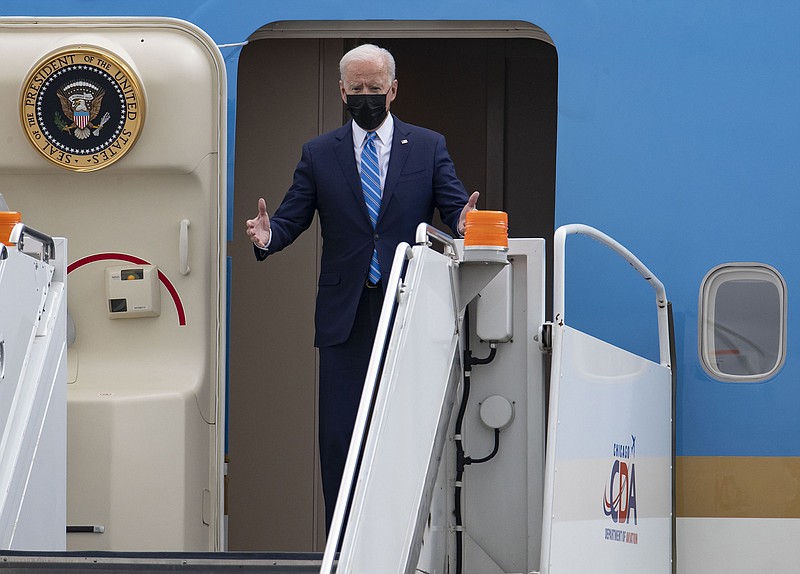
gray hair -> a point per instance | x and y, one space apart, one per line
368 53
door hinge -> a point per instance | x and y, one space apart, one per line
544 336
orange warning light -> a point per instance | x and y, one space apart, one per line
8 219
486 229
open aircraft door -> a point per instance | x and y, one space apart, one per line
608 469
118 143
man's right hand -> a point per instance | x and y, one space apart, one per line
258 228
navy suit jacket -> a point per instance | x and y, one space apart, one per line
420 177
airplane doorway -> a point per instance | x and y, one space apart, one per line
489 87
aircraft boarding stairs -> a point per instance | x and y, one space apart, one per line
32 392
448 470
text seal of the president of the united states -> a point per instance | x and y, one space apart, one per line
82 108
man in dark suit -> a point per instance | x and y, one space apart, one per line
372 181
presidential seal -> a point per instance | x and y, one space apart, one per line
82 108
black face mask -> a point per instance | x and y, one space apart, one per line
368 110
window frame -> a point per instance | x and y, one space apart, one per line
706 319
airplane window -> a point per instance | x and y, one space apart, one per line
742 322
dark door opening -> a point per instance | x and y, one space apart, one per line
490 88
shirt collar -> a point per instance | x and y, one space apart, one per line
384 132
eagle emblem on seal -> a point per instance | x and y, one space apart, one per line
81 101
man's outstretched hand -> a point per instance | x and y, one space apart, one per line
258 228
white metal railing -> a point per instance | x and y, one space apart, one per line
559 266
425 235
402 253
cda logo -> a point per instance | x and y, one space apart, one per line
82 108
619 500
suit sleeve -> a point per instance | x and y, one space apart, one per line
449 193
296 212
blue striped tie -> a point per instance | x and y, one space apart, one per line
371 185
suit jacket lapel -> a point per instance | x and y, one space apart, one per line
347 161
401 147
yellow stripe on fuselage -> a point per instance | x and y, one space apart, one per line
737 487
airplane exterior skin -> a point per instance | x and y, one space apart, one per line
677 134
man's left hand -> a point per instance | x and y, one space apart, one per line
470 206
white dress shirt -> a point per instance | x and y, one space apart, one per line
383 145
